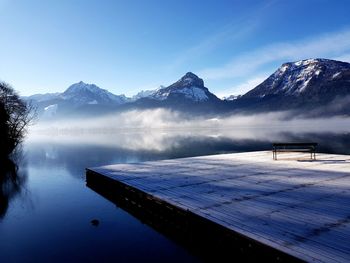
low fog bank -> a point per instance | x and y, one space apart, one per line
172 120
163 129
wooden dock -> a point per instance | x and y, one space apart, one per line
297 206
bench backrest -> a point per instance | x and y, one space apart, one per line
295 144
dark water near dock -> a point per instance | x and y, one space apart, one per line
48 216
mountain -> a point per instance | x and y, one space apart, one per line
82 99
231 97
79 98
144 94
82 93
189 88
305 78
42 97
188 95
308 84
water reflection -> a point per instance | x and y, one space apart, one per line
12 181
75 152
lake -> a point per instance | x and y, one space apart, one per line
46 216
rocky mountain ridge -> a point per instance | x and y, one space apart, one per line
310 83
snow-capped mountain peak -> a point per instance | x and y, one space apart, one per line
190 79
83 93
79 95
82 87
189 87
300 78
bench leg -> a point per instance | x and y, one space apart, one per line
313 155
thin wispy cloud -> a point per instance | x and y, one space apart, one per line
228 33
344 57
331 45
243 87
234 31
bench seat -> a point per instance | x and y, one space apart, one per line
294 147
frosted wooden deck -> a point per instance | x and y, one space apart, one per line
298 206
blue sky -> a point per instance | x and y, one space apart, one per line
127 46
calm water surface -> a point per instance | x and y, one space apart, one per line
47 216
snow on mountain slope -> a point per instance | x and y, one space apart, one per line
83 93
310 83
42 97
79 94
50 111
144 94
191 93
189 87
301 78
231 97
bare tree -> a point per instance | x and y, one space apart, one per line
17 115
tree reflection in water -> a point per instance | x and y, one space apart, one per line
11 181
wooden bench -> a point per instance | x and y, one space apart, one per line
294 147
